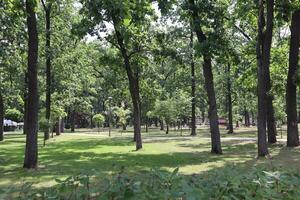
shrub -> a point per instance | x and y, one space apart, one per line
223 184
14 115
99 119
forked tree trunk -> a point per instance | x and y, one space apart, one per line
1 118
261 86
209 84
229 99
291 89
31 150
193 119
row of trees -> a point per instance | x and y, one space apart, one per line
146 56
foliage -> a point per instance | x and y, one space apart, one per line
122 114
157 184
14 114
99 119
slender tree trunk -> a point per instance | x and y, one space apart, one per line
193 119
291 89
167 131
209 84
162 127
237 124
62 126
203 116
57 127
229 99
261 87
31 151
133 78
47 10
25 100
1 118
266 51
247 117
146 125
252 118
72 121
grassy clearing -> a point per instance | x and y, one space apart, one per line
88 151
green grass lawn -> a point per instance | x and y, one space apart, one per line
86 151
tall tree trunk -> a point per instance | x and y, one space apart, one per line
25 100
72 121
133 78
193 119
31 151
229 99
1 117
267 44
291 89
261 86
209 84
47 9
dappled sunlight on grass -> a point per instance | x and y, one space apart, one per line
71 154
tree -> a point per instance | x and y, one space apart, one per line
209 83
123 115
1 118
291 88
130 22
193 86
31 121
267 43
262 84
229 100
47 8
99 119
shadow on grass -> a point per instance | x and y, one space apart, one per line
66 158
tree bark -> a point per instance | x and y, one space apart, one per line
1 118
162 127
31 150
247 117
229 99
57 127
133 86
261 86
267 44
193 119
72 121
291 88
62 126
25 100
167 131
209 84
47 9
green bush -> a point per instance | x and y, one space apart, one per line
14 115
99 119
225 184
